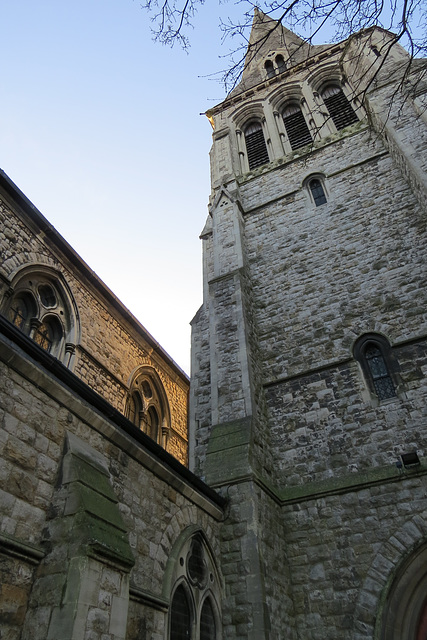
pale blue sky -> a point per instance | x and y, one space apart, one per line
100 128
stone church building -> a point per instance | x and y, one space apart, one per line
283 493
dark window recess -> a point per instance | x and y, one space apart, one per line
339 108
135 408
317 192
207 622
296 127
280 61
47 296
152 423
255 146
383 384
180 623
269 67
197 569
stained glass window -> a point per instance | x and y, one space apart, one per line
381 378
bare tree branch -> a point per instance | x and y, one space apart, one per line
310 19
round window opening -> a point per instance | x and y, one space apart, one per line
47 296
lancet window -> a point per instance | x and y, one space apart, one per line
147 407
317 192
194 610
374 355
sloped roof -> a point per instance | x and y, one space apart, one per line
269 38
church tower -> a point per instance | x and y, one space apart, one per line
308 404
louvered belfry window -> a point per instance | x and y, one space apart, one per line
339 108
296 127
255 145
269 67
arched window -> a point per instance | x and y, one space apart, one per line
255 145
269 67
47 333
296 127
379 372
147 406
339 108
404 612
39 306
195 588
280 62
22 308
180 616
135 409
317 192
153 423
374 356
207 622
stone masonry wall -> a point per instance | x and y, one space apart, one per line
323 426
343 549
34 427
321 277
324 275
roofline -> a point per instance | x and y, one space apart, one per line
67 250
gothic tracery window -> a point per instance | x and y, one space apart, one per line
37 305
147 407
194 606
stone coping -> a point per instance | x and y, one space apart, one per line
294 494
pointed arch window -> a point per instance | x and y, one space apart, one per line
147 406
38 305
269 67
340 110
180 616
296 127
195 611
379 368
280 62
255 145
135 409
207 622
